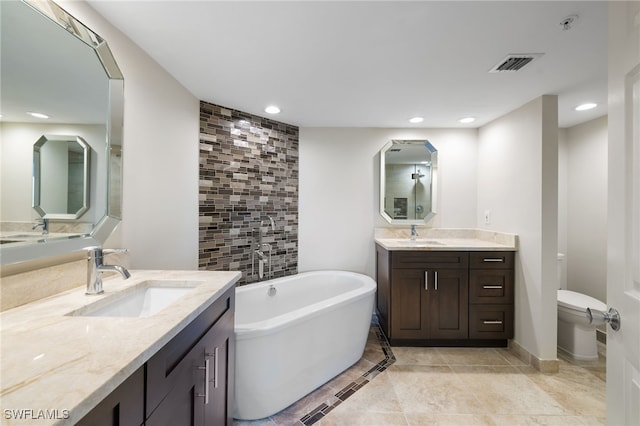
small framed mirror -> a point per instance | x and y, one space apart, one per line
61 172
408 181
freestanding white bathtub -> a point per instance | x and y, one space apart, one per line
314 327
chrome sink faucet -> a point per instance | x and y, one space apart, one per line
44 224
95 267
414 233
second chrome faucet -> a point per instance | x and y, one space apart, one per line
414 233
262 251
44 224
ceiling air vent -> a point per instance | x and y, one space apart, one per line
512 63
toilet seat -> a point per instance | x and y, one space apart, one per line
579 302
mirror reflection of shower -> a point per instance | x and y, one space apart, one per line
411 186
421 188
408 177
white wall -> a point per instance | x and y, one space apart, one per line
339 184
563 179
518 182
161 142
587 208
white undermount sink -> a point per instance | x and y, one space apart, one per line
426 242
418 242
143 300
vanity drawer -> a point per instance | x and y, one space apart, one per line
490 321
491 286
491 260
430 259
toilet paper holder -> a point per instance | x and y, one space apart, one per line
612 316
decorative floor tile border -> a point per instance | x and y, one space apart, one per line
323 409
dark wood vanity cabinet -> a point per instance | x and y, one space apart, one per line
445 297
189 381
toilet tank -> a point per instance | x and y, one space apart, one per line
562 271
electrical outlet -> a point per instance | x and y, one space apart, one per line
487 217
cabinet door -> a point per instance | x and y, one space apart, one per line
409 304
183 403
124 406
162 372
203 391
220 353
448 304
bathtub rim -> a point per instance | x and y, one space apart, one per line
306 312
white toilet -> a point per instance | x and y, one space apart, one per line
575 335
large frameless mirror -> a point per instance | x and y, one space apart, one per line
408 181
52 64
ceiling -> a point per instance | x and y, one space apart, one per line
375 63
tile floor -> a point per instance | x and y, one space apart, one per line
451 386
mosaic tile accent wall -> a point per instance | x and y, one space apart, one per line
248 172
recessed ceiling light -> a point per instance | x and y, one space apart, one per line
37 114
568 22
272 109
586 106
466 120
415 120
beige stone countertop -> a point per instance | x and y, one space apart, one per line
61 366
430 239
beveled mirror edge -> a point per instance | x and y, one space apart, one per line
434 181
434 186
24 257
383 185
57 14
115 144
